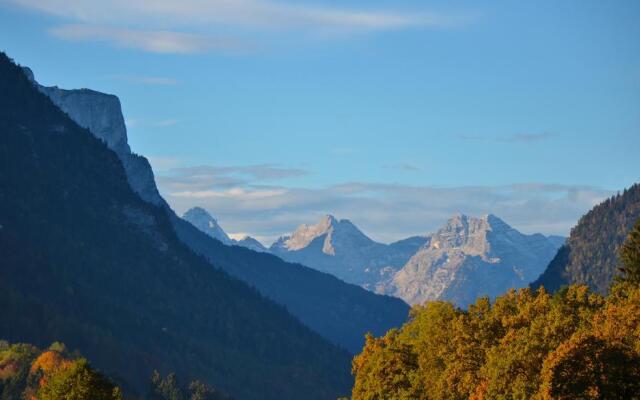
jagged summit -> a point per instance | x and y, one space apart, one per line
339 312
336 233
205 222
470 257
201 219
338 247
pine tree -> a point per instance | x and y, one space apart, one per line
630 256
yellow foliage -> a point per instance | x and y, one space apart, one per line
526 345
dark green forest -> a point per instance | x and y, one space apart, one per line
87 262
29 373
590 255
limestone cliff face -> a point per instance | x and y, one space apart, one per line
468 257
471 257
341 249
101 114
339 312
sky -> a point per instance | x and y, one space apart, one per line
393 114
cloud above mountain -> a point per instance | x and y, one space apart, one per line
249 199
196 26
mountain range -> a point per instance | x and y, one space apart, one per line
87 261
472 257
466 258
201 219
338 311
338 247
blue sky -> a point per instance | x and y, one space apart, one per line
394 114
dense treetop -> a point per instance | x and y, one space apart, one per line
591 254
29 373
526 345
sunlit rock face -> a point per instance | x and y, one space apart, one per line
340 248
101 114
471 257
205 222
202 220
468 257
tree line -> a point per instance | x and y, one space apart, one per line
527 344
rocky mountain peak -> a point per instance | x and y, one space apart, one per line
462 232
470 257
201 219
101 114
342 233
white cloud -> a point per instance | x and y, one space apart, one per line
161 26
245 13
386 212
153 41
161 163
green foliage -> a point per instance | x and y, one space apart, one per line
527 345
630 256
28 373
591 254
86 261
168 388
77 381
15 363
165 388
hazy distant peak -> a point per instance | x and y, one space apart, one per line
336 232
251 243
198 212
204 221
470 257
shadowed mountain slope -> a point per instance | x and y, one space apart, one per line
590 255
85 260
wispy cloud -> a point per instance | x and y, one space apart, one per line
163 163
155 41
159 26
403 167
147 80
246 202
247 13
514 138
231 180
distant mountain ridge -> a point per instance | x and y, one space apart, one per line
590 255
201 219
338 311
87 261
472 257
338 247
468 257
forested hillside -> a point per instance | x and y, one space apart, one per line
575 344
87 262
590 255
340 312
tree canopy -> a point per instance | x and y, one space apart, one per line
526 345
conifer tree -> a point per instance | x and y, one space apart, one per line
630 256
